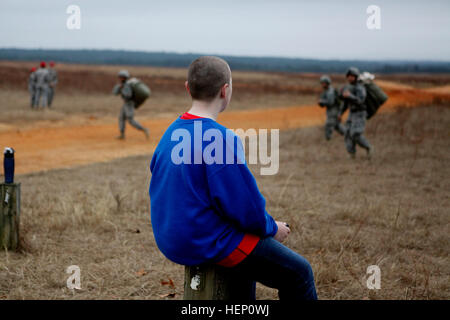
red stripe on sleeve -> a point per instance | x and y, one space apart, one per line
244 248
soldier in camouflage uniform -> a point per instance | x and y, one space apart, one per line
329 99
32 87
53 80
42 83
354 95
127 111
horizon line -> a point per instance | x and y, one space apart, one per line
232 55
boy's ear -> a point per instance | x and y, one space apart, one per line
223 91
187 87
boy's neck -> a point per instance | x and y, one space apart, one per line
205 109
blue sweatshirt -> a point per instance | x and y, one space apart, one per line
201 206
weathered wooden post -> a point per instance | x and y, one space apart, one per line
212 282
9 205
9 215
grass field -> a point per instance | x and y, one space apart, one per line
345 215
84 92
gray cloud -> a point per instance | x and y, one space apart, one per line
320 29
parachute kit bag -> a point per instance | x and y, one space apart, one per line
374 99
140 91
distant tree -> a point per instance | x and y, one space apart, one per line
167 59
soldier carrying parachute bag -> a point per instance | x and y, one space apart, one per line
140 91
134 93
354 96
376 97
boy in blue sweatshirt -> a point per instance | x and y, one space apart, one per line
205 204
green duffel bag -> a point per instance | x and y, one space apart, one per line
140 91
375 98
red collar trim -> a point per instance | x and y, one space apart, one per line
188 116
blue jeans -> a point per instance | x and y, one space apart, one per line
276 266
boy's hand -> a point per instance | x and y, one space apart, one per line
283 231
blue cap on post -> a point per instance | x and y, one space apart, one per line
8 165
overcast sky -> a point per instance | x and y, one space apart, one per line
413 30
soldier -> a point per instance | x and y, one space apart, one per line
32 87
53 78
42 82
329 99
127 112
354 95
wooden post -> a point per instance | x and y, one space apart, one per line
212 282
9 215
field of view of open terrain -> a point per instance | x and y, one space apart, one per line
85 195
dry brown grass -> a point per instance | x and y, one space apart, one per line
392 211
84 93
345 215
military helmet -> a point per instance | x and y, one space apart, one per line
353 71
325 79
124 74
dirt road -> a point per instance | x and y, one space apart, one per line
43 148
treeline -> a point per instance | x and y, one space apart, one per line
167 59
